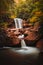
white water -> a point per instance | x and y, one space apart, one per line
24 50
23 45
18 24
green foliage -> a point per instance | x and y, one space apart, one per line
23 10
7 7
3 25
27 9
31 10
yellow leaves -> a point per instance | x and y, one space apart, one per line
12 16
36 16
38 13
36 3
33 19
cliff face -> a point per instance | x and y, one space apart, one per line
9 36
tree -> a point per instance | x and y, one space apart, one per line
23 10
7 7
37 15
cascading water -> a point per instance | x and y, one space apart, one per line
24 53
18 24
24 49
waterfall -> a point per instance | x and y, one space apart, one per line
18 24
23 45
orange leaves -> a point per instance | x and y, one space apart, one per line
38 13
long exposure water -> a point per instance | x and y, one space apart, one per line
24 49
18 24
19 56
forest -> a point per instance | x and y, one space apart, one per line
29 10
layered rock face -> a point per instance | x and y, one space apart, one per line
9 36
